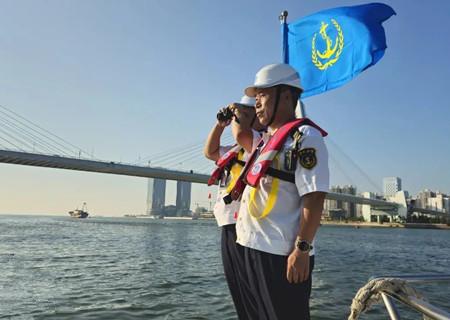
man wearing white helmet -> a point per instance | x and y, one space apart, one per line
230 161
287 180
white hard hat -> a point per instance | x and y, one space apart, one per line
272 75
247 101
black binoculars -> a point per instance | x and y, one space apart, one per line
225 114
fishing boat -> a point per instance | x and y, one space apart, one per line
80 213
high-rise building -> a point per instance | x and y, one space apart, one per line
183 202
391 185
156 196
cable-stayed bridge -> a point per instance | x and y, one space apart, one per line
23 142
59 162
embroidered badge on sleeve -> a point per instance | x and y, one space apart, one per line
307 158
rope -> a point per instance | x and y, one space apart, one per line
371 294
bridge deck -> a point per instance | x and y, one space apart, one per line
54 161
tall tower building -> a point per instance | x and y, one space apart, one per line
156 196
183 202
391 185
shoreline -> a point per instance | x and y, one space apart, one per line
355 224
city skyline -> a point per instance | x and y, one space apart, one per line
125 80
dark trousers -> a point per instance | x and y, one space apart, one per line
269 296
233 263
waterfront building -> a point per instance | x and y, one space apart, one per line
359 209
338 208
437 201
401 198
391 185
379 213
422 198
156 196
367 209
447 204
330 205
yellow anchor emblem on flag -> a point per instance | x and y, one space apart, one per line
325 59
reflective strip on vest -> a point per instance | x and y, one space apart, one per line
261 213
235 171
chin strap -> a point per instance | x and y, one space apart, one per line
253 121
277 100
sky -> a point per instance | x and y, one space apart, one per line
128 79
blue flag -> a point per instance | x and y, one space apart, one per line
331 47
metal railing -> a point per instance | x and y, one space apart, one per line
417 304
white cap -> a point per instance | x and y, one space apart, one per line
247 101
273 75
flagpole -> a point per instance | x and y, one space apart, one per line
283 21
300 108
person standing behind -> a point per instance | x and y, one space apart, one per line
230 161
282 202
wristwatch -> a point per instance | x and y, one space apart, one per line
303 245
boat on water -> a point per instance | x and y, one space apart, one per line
80 213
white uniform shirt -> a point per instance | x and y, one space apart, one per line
269 216
227 213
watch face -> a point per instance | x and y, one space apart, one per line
303 245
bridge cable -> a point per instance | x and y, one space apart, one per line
341 169
361 171
170 153
14 139
25 134
188 158
167 152
19 148
43 137
42 140
172 156
183 157
78 149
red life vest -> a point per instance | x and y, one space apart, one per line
273 146
226 159
257 166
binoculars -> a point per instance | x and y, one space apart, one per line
225 114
